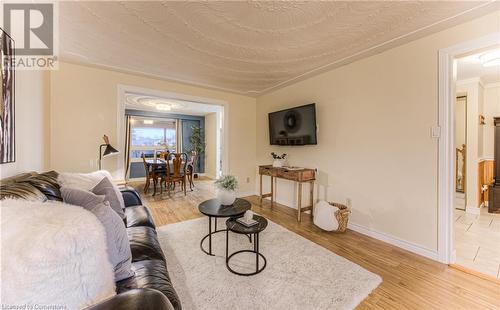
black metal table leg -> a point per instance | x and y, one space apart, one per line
255 251
210 235
256 246
227 245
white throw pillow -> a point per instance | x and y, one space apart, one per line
87 181
324 216
53 254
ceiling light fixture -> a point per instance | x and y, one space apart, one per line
490 59
148 122
163 107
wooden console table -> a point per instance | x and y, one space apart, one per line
300 176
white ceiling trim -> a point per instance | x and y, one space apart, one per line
151 76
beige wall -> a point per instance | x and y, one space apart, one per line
211 144
84 107
374 144
491 109
31 113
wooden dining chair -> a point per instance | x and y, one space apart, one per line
178 173
165 177
149 174
190 171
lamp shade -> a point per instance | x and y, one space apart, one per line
109 151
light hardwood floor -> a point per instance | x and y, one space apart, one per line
409 281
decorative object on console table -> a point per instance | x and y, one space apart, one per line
296 174
7 93
108 151
278 160
494 192
226 189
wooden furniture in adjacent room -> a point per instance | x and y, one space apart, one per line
485 177
302 175
494 192
179 171
153 168
190 170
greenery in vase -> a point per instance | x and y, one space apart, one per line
227 182
276 156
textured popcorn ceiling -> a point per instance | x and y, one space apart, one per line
244 47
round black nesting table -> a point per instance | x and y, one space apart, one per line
213 209
233 226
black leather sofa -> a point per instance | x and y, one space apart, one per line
151 287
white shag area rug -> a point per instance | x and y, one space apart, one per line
299 274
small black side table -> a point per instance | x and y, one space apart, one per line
234 226
213 209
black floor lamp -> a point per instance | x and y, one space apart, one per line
108 151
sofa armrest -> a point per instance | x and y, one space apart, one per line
136 299
131 197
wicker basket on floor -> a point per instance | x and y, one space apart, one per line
342 216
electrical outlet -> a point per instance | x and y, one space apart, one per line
248 179
348 202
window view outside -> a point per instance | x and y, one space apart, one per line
149 136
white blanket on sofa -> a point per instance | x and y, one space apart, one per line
52 255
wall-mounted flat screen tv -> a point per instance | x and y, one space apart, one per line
295 126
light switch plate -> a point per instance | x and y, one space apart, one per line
436 132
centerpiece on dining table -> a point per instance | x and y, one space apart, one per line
226 189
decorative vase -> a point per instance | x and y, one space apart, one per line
226 197
278 163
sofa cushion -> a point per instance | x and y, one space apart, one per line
139 216
130 196
118 247
46 183
88 181
151 274
22 190
144 244
143 299
106 188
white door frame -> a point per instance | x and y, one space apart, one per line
446 173
120 134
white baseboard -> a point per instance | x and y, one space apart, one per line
415 248
246 194
210 176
